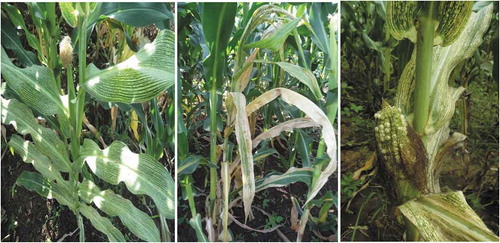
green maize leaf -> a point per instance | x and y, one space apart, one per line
35 85
141 173
446 217
137 14
64 125
292 175
46 141
102 224
68 11
260 15
242 129
18 21
334 58
302 146
188 165
320 37
264 153
36 182
11 41
276 40
217 20
139 223
196 225
30 154
139 78
305 76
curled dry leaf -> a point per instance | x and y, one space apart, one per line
315 114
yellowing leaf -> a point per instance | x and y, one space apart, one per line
134 124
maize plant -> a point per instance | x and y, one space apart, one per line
255 76
69 167
413 136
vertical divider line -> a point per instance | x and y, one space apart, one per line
176 112
339 132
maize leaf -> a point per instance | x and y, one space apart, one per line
35 85
217 20
195 223
261 15
446 217
140 78
263 153
45 140
302 145
69 13
137 14
101 223
443 97
141 173
34 181
305 76
139 223
284 126
276 40
242 77
402 25
245 150
188 165
317 115
18 21
450 19
11 41
30 154
453 16
292 175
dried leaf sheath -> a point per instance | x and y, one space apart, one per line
245 150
